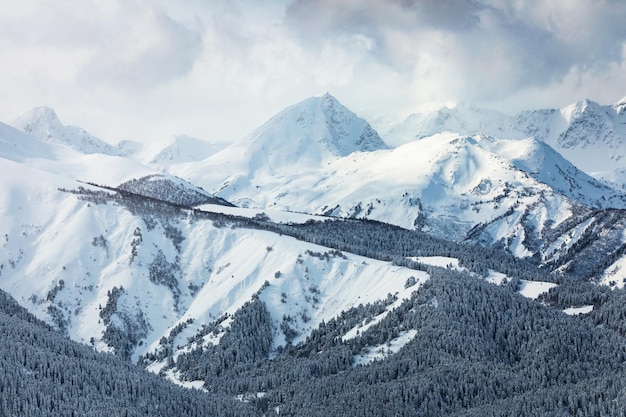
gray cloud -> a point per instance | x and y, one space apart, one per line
375 16
491 48
217 69
148 50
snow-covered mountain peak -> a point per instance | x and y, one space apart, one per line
590 135
591 127
301 138
38 120
161 154
328 99
467 160
44 124
184 148
462 118
337 129
620 106
317 124
578 109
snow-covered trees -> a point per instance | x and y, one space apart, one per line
42 373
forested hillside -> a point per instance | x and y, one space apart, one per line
453 276
469 348
43 373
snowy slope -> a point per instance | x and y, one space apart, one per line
64 255
175 150
463 118
445 184
299 140
591 136
43 123
65 161
129 269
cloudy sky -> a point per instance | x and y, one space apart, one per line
148 69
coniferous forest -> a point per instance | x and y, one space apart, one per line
43 373
476 349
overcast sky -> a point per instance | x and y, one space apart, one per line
146 70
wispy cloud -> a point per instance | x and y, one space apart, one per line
217 69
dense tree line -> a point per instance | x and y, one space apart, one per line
479 349
42 373
387 242
247 340
600 245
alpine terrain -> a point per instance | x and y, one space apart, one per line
465 263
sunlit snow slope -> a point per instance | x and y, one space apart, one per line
590 135
110 272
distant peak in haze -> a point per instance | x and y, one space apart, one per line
44 124
590 135
462 117
36 119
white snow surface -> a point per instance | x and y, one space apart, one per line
533 289
591 136
440 261
574 311
380 352
528 289
274 215
43 123
495 277
54 239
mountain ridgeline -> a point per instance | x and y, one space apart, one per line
310 270
452 345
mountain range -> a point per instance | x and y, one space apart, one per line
588 134
312 250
